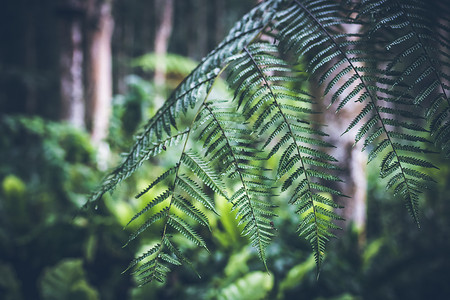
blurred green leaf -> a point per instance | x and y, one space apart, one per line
253 286
67 280
175 64
9 284
295 275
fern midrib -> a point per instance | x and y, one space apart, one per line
386 132
291 133
427 54
236 164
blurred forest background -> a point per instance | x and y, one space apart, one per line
77 79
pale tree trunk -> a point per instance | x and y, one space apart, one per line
99 73
71 63
163 32
351 159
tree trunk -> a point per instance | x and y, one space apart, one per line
163 32
99 75
71 63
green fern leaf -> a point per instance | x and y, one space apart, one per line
148 223
147 254
151 204
417 58
396 66
185 96
194 190
186 230
273 102
186 206
236 159
204 172
163 176
345 49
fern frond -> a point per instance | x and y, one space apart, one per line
269 102
158 259
194 190
156 266
188 208
186 230
236 157
137 260
395 66
419 56
148 223
163 176
354 59
152 204
130 165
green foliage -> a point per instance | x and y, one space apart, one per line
295 275
67 280
129 111
253 286
45 159
396 64
175 65
9 284
49 169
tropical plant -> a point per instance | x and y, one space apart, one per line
395 63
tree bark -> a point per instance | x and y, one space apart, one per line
163 32
71 63
99 74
